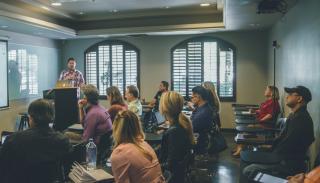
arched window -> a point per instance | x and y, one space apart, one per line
112 63
204 59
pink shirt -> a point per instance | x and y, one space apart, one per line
129 165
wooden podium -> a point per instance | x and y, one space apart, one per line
66 107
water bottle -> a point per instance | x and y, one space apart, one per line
91 155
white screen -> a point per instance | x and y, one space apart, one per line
3 75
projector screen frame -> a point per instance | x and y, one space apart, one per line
7 68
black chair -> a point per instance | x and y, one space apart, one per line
182 168
104 148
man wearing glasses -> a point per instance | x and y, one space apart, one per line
294 141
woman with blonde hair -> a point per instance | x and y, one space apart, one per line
267 113
116 101
213 100
133 160
178 140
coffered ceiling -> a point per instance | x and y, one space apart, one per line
65 19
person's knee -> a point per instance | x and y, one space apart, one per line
250 171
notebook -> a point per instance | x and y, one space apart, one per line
265 178
79 174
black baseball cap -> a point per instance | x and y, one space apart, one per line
302 91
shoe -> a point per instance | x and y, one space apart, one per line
236 154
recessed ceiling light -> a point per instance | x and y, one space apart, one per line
56 4
81 13
204 4
4 26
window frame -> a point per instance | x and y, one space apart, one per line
110 42
220 44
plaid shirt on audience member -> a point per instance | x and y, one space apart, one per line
75 74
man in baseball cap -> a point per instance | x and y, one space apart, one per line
300 91
294 140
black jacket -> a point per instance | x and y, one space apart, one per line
34 155
175 146
294 141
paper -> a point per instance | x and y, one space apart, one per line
79 174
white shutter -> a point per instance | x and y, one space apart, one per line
194 65
131 70
179 71
91 68
226 74
104 70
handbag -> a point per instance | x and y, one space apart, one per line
217 143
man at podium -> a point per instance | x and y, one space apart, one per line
72 74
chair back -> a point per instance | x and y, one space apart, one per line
104 147
281 123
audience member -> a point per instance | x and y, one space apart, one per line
72 74
133 160
294 141
116 101
36 154
163 87
132 96
202 118
213 101
95 119
267 113
177 141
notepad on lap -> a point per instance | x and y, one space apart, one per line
265 178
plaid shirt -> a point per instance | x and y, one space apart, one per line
75 76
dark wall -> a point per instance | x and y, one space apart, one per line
298 58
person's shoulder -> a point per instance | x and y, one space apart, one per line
123 150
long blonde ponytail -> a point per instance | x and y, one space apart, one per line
171 105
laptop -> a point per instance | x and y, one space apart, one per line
4 135
159 117
64 84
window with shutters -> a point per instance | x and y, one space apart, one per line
204 59
112 63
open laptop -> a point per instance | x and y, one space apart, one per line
64 84
161 120
4 135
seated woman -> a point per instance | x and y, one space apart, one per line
177 141
133 160
116 101
267 112
213 101
270 109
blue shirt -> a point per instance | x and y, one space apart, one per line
202 118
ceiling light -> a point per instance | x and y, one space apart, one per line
114 11
167 7
204 4
56 4
81 13
4 26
